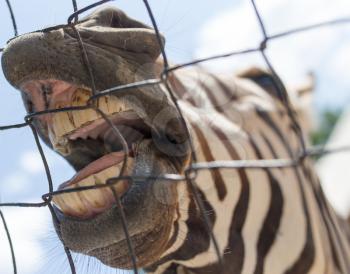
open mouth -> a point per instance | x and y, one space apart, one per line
47 67
68 130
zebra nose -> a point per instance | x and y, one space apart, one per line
29 55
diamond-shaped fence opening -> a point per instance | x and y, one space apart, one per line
191 172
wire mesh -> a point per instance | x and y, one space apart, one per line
194 166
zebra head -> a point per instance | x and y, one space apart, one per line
265 220
48 68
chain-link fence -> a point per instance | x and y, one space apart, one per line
163 79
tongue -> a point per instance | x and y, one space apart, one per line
95 167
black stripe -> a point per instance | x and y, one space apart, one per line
271 148
173 238
175 268
215 174
272 220
234 251
330 216
172 269
212 99
318 194
307 256
342 256
181 90
343 253
234 254
197 240
228 91
273 151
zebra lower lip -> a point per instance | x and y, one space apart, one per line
86 204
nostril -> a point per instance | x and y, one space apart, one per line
46 90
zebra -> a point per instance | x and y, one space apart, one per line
265 220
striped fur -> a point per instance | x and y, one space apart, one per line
265 221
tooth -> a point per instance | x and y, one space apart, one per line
111 105
81 117
60 203
103 104
66 122
61 147
62 123
111 172
122 185
104 175
94 197
107 192
81 96
116 106
71 203
59 144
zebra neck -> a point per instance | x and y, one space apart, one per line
254 213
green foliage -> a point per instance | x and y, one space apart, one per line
328 119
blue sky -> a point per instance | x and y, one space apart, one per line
192 29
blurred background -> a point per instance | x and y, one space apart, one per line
193 29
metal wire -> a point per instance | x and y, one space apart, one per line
190 173
14 24
9 241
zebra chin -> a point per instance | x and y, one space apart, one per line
149 210
90 222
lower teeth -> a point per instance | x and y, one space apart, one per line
87 203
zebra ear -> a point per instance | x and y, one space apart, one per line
265 80
112 27
301 96
261 77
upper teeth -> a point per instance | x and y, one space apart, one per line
66 122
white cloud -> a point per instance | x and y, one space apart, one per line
341 65
30 161
26 226
321 51
27 171
14 183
